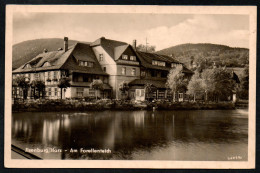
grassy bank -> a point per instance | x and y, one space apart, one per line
99 105
195 106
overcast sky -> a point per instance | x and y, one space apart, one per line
161 30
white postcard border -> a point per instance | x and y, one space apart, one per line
14 163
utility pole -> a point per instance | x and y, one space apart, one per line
146 44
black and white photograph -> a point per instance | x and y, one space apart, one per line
134 86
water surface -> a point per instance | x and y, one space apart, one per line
204 135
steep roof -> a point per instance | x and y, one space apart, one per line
55 58
108 45
119 50
83 52
147 58
65 60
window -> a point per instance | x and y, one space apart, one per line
132 58
36 75
125 57
154 73
54 75
80 92
164 74
159 63
86 63
90 64
143 73
92 92
155 62
86 78
30 76
123 70
105 69
133 72
173 65
27 66
48 76
49 91
105 79
161 95
46 64
56 91
81 63
100 57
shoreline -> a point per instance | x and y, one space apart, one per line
101 105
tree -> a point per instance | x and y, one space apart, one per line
196 85
218 82
243 90
123 87
63 84
149 89
23 84
97 85
176 81
144 48
38 85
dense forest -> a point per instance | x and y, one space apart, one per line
207 54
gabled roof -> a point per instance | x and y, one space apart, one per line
108 45
65 60
147 58
55 58
119 50
83 52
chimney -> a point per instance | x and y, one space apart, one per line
66 40
134 44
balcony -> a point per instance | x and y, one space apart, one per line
126 62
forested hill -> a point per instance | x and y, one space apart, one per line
25 51
207 54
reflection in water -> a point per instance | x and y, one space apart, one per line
165 135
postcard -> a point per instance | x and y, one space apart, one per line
109 86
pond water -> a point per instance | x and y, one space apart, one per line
202 135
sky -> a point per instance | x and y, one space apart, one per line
160 30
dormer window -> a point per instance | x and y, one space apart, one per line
161 63
158 63
124 57
86 63
27 66
173 65
90 64
46 64
133 58
155 62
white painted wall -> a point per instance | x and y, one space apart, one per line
107 62
67 93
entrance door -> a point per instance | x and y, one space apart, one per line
139 94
